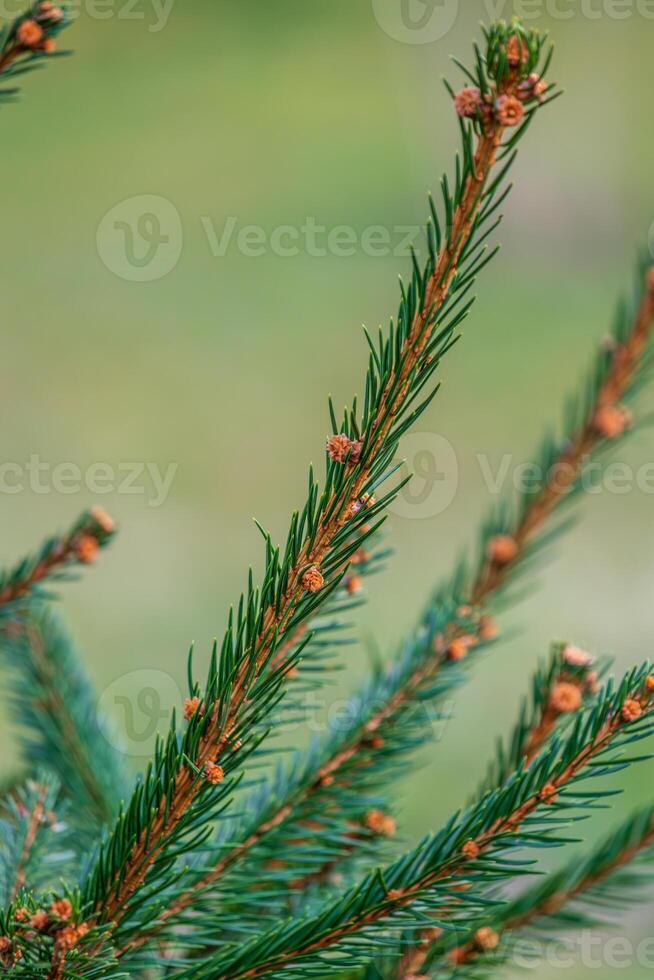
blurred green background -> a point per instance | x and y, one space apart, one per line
269 113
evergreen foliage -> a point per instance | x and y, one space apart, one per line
205 868
27 40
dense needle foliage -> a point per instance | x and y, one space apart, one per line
202 867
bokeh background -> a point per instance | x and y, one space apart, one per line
268 114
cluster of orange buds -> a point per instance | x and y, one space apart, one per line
507 110
341 448
503 105
55 922
32 32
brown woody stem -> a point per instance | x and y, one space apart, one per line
33 826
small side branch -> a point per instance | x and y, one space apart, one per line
79 546
28 39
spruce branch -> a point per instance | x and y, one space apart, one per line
559 689
35 844
175 864
612 875
55 704
28 40
187 780
53 700
329 789
34 818
596 421
79 546
43 935
434 878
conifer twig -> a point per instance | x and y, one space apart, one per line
35 816
54 701
34 842
606 420
28 39
51 694
173 800
559 690
79 546
541 905
515 816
